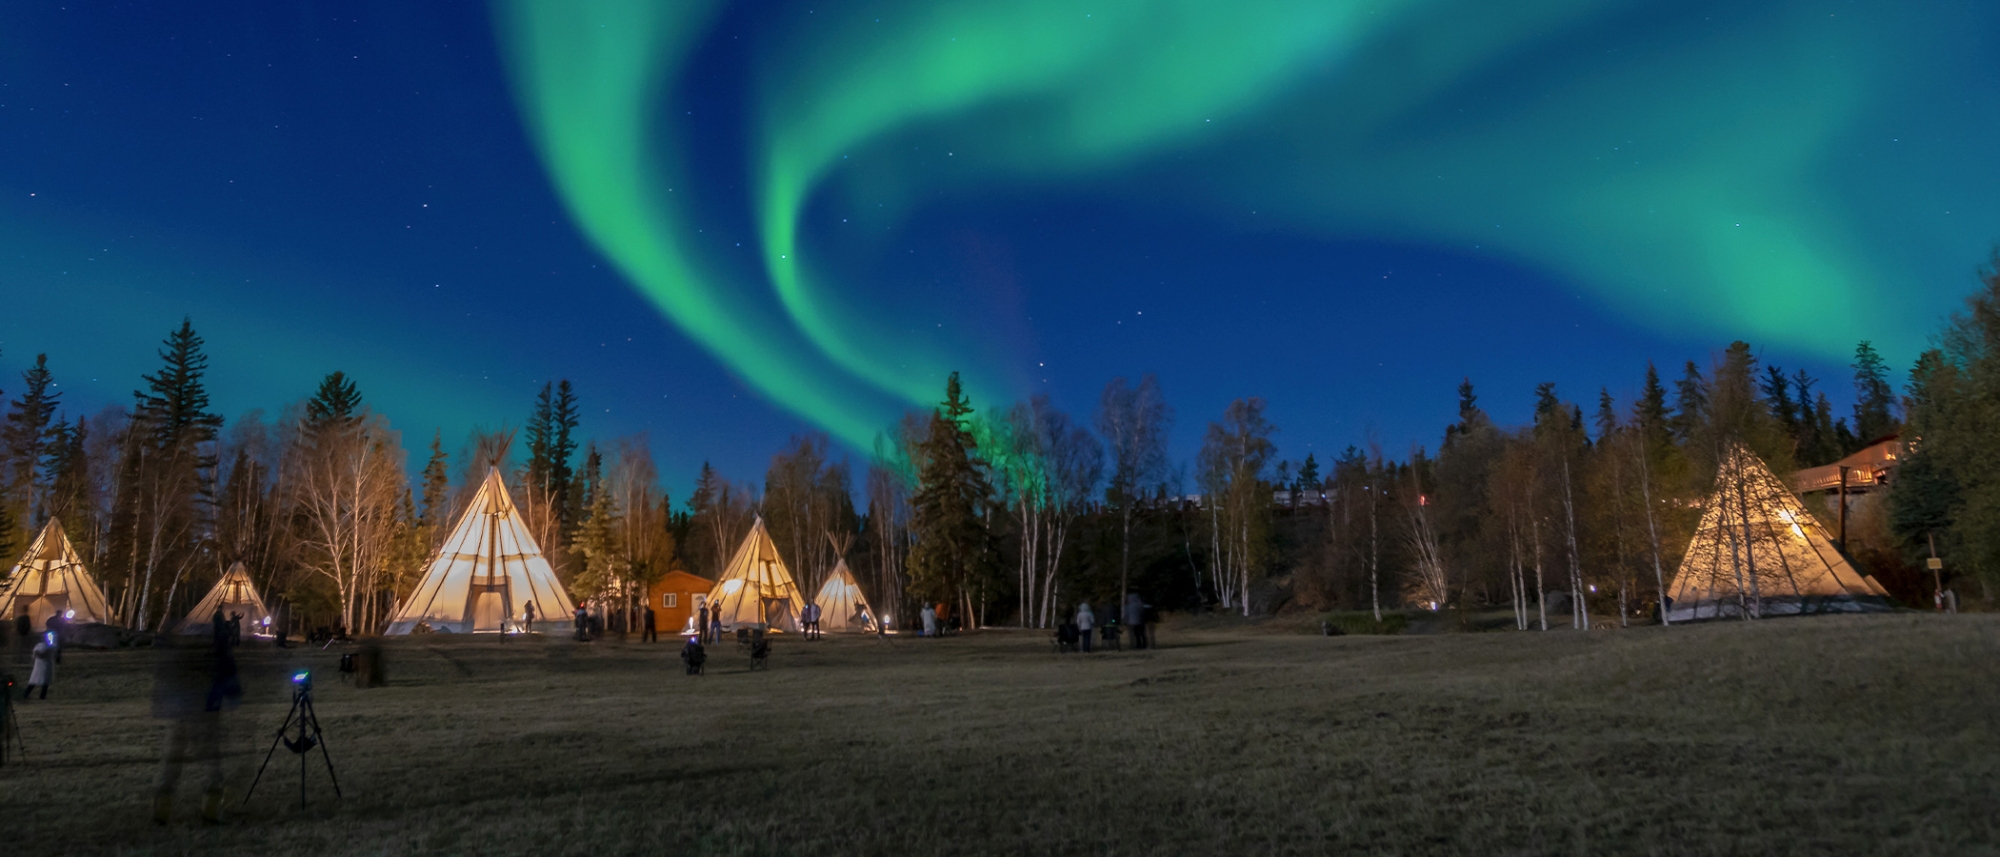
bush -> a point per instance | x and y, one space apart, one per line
1363 622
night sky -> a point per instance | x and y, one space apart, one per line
730 223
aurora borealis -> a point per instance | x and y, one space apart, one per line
1341 206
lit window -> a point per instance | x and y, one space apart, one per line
670 600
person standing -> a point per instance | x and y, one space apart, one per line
192 686
930 620
701 623
649 634
44 672
715 627
1135 619
1086 620
528 618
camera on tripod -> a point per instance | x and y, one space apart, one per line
301 734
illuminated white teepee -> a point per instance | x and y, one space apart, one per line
842 607
234 593
755 589
486 574
1758 552
51 580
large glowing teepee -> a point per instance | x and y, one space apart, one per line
233 594
1758 552
842 607
756 590
51 580
486 574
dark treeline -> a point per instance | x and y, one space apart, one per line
1014 513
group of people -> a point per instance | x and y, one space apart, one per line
1108 623
938 620
591 624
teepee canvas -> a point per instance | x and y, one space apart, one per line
486 574
842 607
1758 552
51 580
756 590
234 594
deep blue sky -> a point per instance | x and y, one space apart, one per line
357 191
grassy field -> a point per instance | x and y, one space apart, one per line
1867 735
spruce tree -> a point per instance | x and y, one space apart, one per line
1874 398
335 405
1690 403
951 549
551 444
173 409
1777 389
437 486
1651 411
29 429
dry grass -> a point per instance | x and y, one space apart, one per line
1838 735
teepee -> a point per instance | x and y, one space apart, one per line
486 574
755 589
1758 552
51 580
233 594
842 607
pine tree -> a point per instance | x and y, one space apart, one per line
174 406
167 484
597 541
26 439
951 550
551 444
1874 398
1651 410
1690 403
70 479
335 405
1777 389
437 487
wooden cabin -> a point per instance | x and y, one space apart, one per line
676 599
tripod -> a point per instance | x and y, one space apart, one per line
11 745
309 736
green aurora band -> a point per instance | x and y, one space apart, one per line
1745 175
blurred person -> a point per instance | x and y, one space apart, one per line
193 683
930 621
1135 619
44 672
528 618
649 634
1086 620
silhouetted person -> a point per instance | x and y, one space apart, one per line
582 624
24 627
649 634
715 628
193 682
1135 618
528 618
1086 621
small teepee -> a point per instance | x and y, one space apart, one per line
1758 552
486 574
756 590
51 580
842 607
233 594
